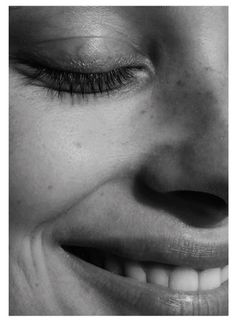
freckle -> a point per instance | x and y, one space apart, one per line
18 202
78 144
50 187
208 68
143 112
36 284
102 194
151 117
180 83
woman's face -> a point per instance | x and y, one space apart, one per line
118 160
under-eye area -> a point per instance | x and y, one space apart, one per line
179 278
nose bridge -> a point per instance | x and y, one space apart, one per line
208 144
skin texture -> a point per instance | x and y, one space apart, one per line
76 160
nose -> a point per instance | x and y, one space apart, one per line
194 102
196 165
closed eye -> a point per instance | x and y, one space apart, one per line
76 82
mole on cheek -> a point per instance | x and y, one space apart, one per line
50 187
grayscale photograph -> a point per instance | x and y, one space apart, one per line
118 160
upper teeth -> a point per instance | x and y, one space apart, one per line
177 278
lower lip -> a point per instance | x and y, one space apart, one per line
147 299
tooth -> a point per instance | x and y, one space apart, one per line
209 279
113 265
224 274
134 270
158 274
183 279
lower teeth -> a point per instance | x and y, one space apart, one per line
175 277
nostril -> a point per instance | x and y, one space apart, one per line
202 209
200 198
195 208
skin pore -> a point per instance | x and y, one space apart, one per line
78 161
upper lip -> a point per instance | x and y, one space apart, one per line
142 234
198 254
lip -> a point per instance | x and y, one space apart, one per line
167 251
143 233
145 298
148 299
185 246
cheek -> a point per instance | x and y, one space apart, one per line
58 155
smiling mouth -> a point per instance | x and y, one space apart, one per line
179 278
171 258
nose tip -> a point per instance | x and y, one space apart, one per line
186 167
198 209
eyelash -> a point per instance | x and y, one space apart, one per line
77 83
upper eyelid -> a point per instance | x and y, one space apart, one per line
126 41
139 52
69 58
74 74
38 66
126 62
